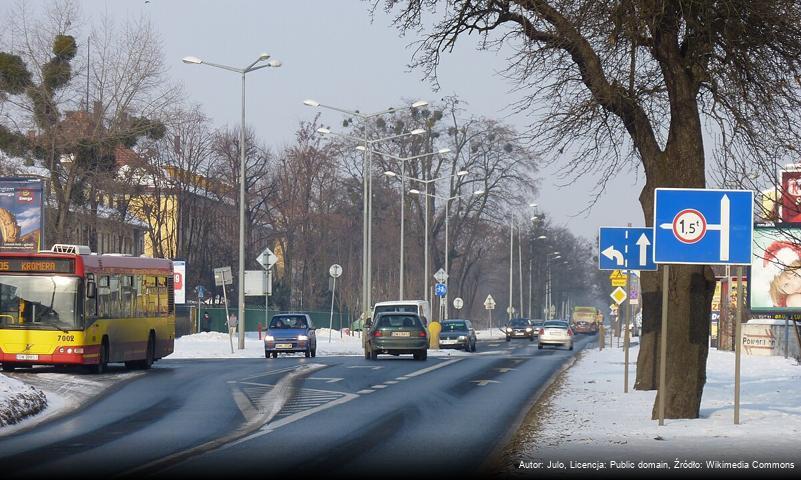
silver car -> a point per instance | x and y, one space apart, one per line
557 333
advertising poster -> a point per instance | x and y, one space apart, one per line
791 196
21 214
776 271
179 281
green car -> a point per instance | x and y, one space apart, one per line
396 333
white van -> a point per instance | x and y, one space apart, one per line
420 307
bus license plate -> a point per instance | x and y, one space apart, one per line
27 357
283 345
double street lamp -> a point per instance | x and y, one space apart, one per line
402 175
242 71
447 201
367 176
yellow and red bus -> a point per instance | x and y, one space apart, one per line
72 307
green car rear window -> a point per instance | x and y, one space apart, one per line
399 321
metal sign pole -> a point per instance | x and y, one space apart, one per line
663 344
626 334
739 345
331 318
230 335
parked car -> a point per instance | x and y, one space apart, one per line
396 333
586 326
519 328
290 332
457 333
557 333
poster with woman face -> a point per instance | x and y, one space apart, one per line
21 214
775 280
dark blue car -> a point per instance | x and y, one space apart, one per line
290 332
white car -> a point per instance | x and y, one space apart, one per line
556 333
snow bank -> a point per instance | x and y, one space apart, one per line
18 401
770 411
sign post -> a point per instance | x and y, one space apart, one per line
267 259
489 305
697 226
335 271
223 277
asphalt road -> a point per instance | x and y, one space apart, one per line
341 416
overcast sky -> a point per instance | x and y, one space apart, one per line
331 52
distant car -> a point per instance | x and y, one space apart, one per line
536 324
585 326
396 333
519 328
458 333
290 332
557 333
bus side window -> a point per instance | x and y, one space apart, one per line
90 304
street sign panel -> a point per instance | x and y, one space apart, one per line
440 289
625 248
618 278
222 276
618 295
458 303
489 303
700 226
335 270
267 259
440 276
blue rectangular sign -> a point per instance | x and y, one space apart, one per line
625 248
700 226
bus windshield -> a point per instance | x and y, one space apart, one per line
46 302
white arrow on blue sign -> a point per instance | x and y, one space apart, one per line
700 226
625 248
440 289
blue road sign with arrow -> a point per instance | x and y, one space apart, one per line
625 248
700 226
440 289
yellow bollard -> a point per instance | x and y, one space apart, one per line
601 339
433 329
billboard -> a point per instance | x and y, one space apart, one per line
775 281
21 214
791 196
179 281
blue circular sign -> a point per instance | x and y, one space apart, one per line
440 289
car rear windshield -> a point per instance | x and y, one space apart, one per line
519 322
399 321
396 308
451 326
289 321
555 325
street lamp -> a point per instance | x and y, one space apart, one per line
460 173
367 184
242 71
447 201
548 298
403 161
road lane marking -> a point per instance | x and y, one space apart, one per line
391 382
504 370
432 368
362 392
377 367
379 386
494 344
326 379
484 383
402 378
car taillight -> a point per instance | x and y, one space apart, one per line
377 333
541 332
422 333
569 332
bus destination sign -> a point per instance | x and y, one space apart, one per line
36 265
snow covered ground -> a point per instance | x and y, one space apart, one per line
590 417
18 400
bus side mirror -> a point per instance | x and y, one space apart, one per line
91 290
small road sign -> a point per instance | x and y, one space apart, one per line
267 259
700 226
618 278
440 289
510 310
335 270
223 276
489 303
440 276
618 295
625 248
458 303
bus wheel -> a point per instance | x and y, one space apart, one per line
150 356
102 363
